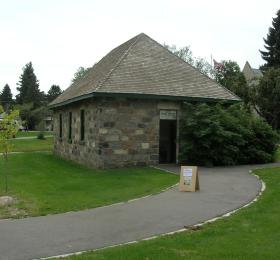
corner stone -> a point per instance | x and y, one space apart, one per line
112 138
103 131
139 132
120 151
145 145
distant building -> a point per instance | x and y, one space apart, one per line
251 75
48 123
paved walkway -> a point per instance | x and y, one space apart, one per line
222 190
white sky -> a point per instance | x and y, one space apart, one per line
59 36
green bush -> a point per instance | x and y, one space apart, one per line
41 135
224 135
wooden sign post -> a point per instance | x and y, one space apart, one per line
189 179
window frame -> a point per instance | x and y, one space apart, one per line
82 125
70 120
60 126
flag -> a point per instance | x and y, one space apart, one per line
218 65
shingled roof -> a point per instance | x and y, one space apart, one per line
141 67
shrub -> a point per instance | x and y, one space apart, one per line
224 135
41 135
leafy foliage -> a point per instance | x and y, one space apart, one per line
272 44
230 76
186 54
41 135
80 73
32 117
266 97
8 129
216 135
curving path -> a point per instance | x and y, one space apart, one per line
222 190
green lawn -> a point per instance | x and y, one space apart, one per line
277 155
252 233
45 184
31 133
31 145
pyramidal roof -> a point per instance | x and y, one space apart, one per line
141 67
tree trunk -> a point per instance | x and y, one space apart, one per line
6 172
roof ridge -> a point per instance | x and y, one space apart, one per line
117 63
138 67
191 66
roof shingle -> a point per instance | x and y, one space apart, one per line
141 66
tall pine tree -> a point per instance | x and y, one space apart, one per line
29 91
53 92
272 44
6 98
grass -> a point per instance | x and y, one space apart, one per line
252 233
45 184
31 133
277 155
31 145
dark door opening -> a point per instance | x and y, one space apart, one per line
167 141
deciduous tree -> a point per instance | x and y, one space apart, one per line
8 129
80 73
186 54
230 76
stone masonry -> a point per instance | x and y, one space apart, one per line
119 132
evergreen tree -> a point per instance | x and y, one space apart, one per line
6 97
272 44
53 93
29 91
266 97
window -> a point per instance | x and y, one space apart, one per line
82 121
60 125
70 127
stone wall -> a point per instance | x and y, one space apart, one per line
118 132
83 152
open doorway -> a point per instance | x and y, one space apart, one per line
167 136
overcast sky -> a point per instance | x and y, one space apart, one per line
59 36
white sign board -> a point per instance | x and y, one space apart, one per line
168 114
187 174
189 178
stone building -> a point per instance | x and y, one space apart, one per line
251 75
125 111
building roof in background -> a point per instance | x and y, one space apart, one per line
251 73
257 72
143 67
